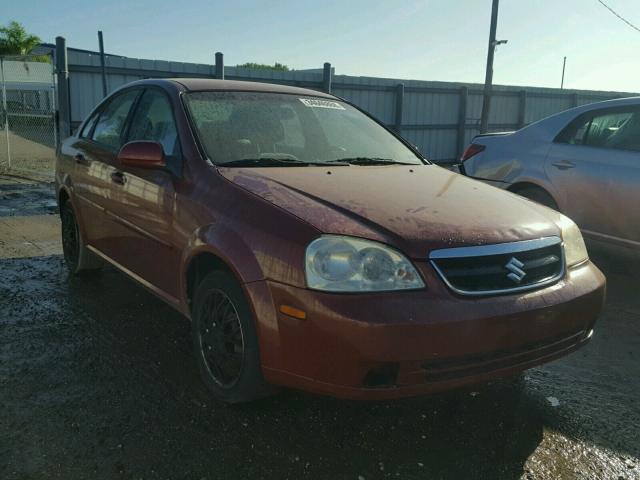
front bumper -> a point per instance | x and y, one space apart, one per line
398 344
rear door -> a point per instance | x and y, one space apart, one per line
594 167
95 161
145 198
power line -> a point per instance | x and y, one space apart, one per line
618 15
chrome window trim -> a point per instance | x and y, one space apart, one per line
499 249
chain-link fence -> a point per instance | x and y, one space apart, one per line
27 114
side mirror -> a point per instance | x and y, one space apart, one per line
142 154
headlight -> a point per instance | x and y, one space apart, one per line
574 249
345 264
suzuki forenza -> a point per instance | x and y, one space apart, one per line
313 248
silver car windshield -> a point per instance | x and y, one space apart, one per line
270 129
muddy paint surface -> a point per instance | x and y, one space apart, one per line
97 381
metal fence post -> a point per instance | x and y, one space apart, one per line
53 102
462 119
574 99
326 77
522 109
62 74
219 66
103 68
5 111
399 106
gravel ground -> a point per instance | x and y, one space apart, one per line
97 381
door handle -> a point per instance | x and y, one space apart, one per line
80 159
118 177
564 165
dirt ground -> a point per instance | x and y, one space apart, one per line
97 381
27 155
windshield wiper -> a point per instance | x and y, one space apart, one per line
272 162
370 161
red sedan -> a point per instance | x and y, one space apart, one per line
313 248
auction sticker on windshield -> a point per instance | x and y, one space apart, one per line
315 102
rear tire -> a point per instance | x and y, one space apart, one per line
538 195
225 340
79 259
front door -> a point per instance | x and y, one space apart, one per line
146 199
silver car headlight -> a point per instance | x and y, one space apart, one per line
336 263
575 250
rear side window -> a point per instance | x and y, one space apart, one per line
112 119
611 128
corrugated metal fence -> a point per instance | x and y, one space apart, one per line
440 118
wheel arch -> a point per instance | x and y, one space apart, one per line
64 195
216 248
526 184
199 265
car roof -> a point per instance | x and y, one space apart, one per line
208 84
547 128
616 102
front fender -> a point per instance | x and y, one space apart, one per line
226 244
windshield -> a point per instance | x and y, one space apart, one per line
269 129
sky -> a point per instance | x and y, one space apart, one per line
442 40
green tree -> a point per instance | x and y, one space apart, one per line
276 66
14 40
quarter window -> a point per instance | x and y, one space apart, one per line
113 117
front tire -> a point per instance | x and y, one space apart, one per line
78 258
225 340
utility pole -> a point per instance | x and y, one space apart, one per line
564 63
488 79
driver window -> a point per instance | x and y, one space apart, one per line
153 120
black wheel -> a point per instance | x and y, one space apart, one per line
225 340
78 259
70 237
539 196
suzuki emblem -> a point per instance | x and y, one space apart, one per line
515 268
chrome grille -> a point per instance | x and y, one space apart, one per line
500 268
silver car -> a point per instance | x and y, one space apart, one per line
584 162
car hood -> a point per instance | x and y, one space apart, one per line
415 208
